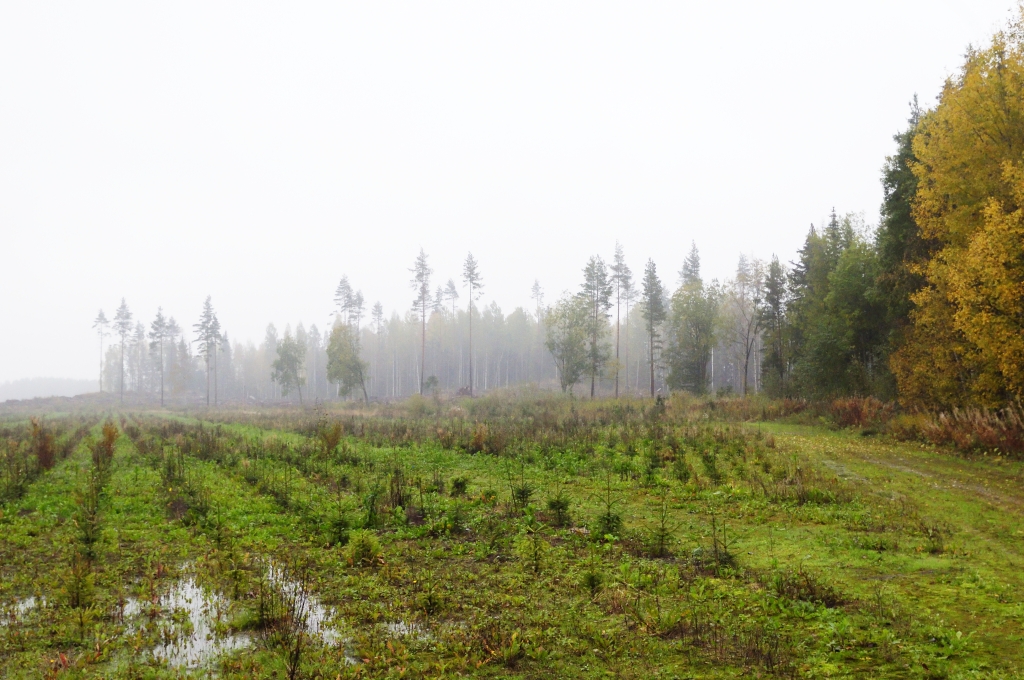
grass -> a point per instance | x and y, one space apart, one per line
516 538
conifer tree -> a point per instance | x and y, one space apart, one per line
451 294
472 278
775 367
158 332
343 298
208 334
597 292
623 281
420 283
653 301
122 327
101 324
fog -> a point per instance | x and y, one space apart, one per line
257 152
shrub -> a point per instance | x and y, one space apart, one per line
859 412
42 444
363 547
592 580
802 586
459 486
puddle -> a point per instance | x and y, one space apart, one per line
192 622
189 618
406 629
20 609
315 613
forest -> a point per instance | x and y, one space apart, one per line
924 308
811 469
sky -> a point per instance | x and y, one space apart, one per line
255 152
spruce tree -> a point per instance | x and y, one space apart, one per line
775 367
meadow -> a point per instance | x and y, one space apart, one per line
505 536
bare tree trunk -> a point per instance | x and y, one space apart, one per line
423 344
161 369
471 340
617 304
652 363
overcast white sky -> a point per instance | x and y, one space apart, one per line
255 152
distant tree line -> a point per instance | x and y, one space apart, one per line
928 307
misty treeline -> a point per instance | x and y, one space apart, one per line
450 340
928 307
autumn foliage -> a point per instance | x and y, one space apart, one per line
966 343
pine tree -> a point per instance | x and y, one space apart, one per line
101 324
451 294
157 335
472 278
343 298
597 292
208 335
377 319
420 283
653 301
356 307
623 280
122 327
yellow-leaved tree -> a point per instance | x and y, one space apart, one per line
965 346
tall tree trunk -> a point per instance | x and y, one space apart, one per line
617 305
652 361
423 344
471 339
625 363
161 370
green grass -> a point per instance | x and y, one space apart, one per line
586 544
